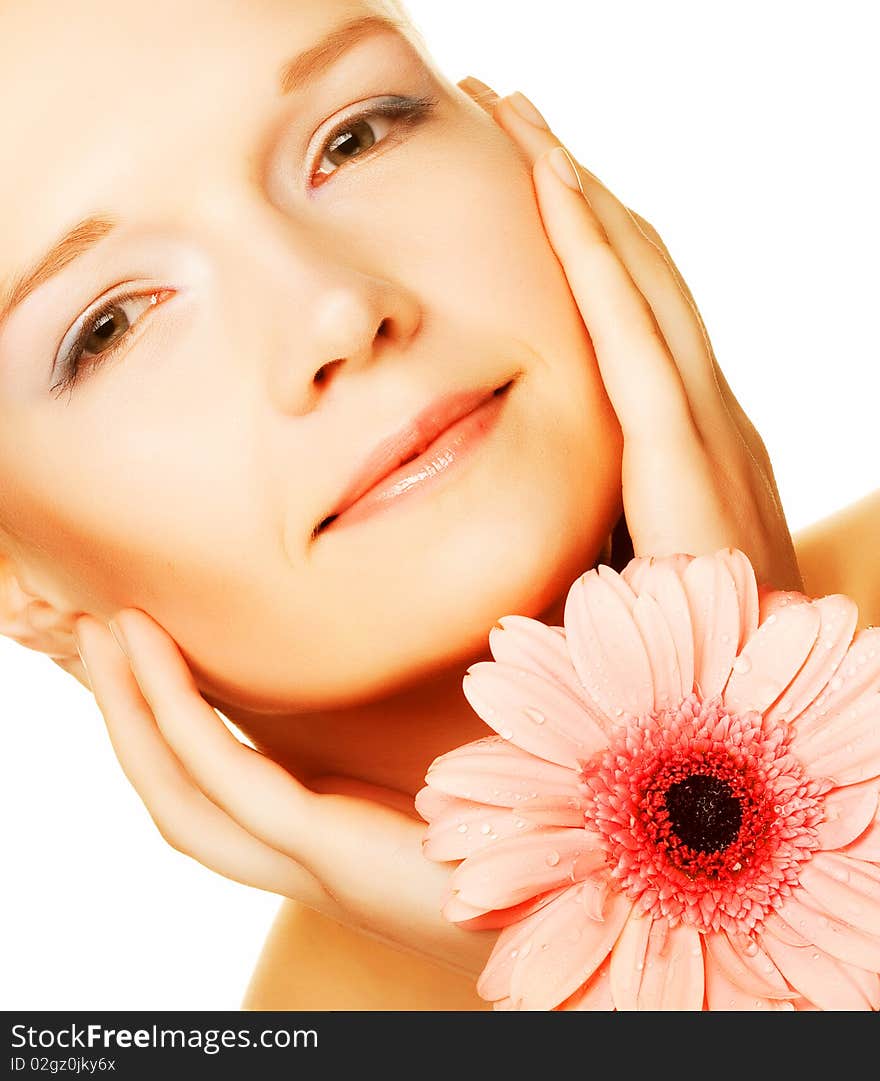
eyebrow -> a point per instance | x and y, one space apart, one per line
71 246
318 58
294 75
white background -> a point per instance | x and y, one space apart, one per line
746 133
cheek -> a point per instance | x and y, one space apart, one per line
475 213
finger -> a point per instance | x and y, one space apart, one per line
671 497
740 418
482 94
650 267
185 817
637 367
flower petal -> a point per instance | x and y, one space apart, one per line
857 675
628 960
662 581
868 982
493 771
565 950
431 802
527 643
847 747
457 911
621 587
475 918
838 618
494 981
847 889
772 600
662 654
636 572
743 574
553 811
834 936
594 995
724 994
751 972
607 649
822 979
771 658
714 606
674 976
519 868
468 827
848 813
867 845
539 716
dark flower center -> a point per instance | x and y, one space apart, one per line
703 812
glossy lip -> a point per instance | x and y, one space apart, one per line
411 442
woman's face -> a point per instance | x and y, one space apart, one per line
272 300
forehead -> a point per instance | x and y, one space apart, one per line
93 104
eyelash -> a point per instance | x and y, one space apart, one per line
407 111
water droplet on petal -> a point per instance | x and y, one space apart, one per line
462 828
742 665
535 714
770 619
505 733
836 683
485 828
552 858
751 948
514 953
787 1006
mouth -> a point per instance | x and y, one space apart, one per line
419 453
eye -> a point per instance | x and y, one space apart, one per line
359 133
97 335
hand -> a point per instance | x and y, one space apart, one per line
696 475
350 852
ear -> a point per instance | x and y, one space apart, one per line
483 95
37 624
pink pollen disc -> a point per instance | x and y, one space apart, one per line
708 816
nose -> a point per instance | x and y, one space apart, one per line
351 320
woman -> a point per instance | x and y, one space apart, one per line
388 302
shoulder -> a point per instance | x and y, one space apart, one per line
841 554
310 961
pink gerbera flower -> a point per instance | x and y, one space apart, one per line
679 810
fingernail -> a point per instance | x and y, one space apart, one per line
527 110
477 86
564 168
116 630
82 659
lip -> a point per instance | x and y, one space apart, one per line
467 412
